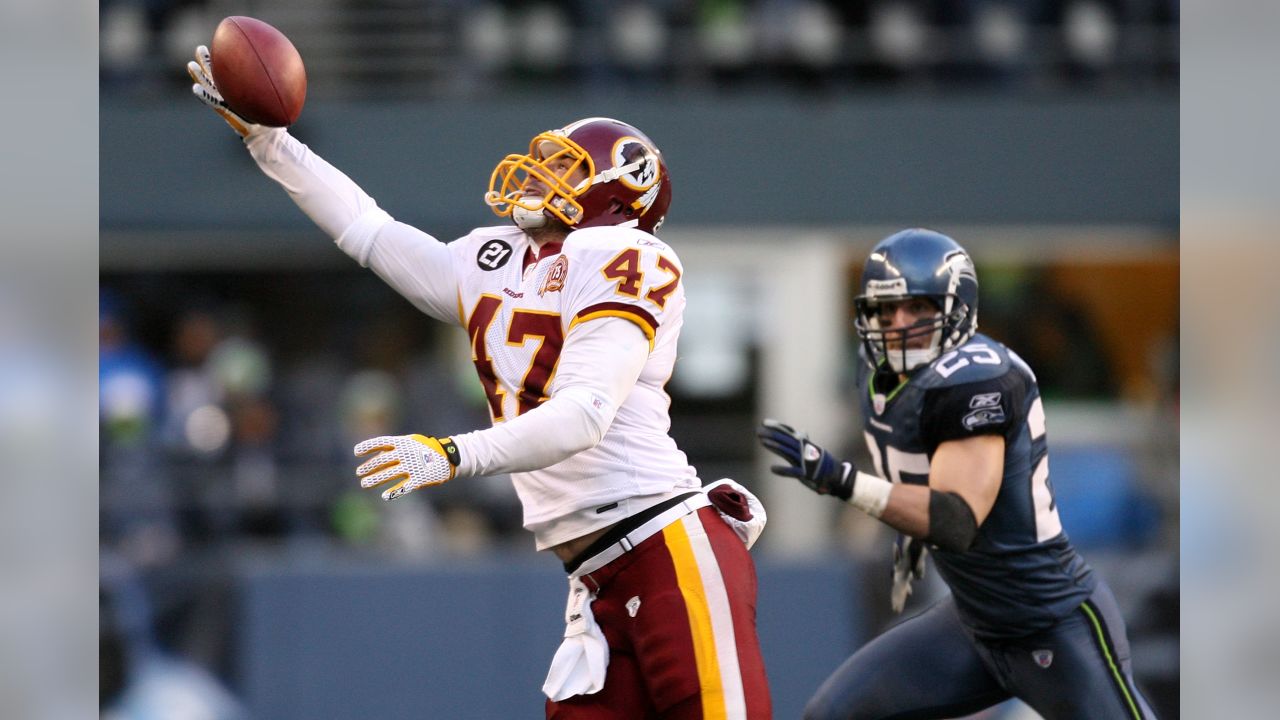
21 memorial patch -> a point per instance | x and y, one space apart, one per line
986 410
493 255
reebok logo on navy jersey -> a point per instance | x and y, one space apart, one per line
983 400
986 411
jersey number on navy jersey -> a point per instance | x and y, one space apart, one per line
897 465
913 468
1048 524
979 353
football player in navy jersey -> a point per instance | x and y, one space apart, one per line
956 429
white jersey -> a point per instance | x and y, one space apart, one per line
573 349
518 318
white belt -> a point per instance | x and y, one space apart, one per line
650 528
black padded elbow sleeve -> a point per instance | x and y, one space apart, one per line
952 526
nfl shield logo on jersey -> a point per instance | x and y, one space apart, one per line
1043 658
878 403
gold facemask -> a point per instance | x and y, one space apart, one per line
507 184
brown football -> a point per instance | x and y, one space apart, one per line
258 71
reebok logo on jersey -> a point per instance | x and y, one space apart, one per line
983 416
493 255
633 606
1043 658
982 400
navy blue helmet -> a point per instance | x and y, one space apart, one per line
917 263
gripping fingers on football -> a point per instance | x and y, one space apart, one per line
201 70
206 91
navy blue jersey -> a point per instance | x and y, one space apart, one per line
1021 573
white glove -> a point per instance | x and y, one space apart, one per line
416 461
201 71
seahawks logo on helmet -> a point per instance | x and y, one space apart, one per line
631 151
958 264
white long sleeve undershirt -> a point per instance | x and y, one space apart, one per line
330 198
413 263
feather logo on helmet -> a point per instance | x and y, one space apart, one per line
643 161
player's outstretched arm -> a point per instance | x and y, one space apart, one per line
331 199
339 207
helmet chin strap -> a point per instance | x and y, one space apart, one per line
912 358
526 219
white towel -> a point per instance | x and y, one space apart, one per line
583 657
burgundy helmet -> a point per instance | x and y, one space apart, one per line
626 183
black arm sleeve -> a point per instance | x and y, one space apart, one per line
952 526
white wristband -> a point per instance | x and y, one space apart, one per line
870 493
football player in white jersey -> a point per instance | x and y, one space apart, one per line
573 310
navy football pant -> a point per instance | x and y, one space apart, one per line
930 666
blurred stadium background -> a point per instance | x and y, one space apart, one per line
242 354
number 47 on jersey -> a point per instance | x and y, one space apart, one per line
624 270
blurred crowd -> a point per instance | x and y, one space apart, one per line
452 48
218 444
216 440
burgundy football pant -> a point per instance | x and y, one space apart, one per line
679 614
